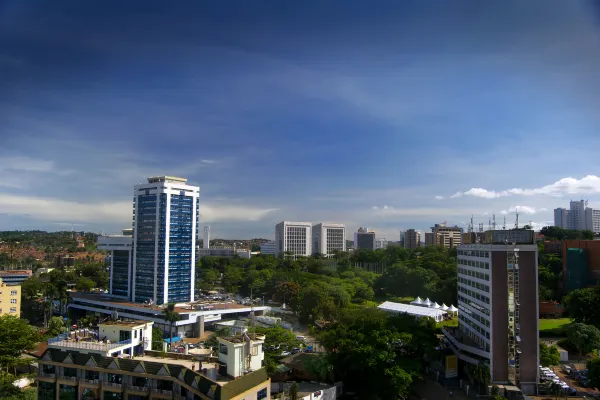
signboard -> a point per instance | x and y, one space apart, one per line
518 236
451 366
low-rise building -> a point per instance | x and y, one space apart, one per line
268 248
15 276
10 299
66 373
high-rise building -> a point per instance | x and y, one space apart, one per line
578 217
328 238
381 243
561 217
165 227
445 236
206 239
498 307
120 249
294 237
364 239
412 239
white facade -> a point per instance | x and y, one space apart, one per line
241 353
140 332
592 220
294 237
206 239
328 238
381 243
151 226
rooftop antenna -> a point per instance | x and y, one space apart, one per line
471 227
489 224
504 224
517 219
494 221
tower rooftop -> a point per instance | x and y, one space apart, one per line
155 179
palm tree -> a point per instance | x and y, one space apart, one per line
171 316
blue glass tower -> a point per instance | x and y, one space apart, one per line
165 221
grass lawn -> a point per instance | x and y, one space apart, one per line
553 327
448 322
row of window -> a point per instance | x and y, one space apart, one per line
474 284
12 310
472 263
474 253
475 274
471 303
472 293
474 326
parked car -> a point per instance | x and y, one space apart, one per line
300 337
285 353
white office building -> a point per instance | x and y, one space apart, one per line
328 238
592 220
294 237
165 233
268 248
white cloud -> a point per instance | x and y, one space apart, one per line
213 213
209 161
589 184
439 197
420 212
523 210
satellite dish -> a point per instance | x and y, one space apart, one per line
114 315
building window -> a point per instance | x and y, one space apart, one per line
13 292
13 309
223 349
262 394
13 301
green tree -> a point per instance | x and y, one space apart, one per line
585 338
549 355
84 284
16 336
56 326
593 374
157 339
294 391
212 341
582 305
171 316
377 355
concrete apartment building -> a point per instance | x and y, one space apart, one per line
70 371
498 307
412 239
328 238
165 227
10 299
444 236
364 239
578 217
294 237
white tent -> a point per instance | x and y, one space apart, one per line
417 311
435 305
444 307
427 302
417 301
452 309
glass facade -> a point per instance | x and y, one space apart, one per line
145 247
120 272
181 239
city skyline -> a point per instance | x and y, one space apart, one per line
288 123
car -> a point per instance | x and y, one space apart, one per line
301 338
295 350
285 353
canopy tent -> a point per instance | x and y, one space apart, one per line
452 309
417 301
427 302
417 311
444 307
435 305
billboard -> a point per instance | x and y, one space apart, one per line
451 367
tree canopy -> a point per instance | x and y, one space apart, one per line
16 336
377 354
556 233
549 355
585 338
582 305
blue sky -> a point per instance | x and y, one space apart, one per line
353 112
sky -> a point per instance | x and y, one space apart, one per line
388 115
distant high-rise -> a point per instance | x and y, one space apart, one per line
206 239
578 217
412 239
294 237
120 248
165 227
445 236
328 238
364 239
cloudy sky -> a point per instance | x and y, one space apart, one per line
387 114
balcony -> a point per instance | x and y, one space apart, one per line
68 378
89 381
162 392
85 343
139 389
112 384
47 374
